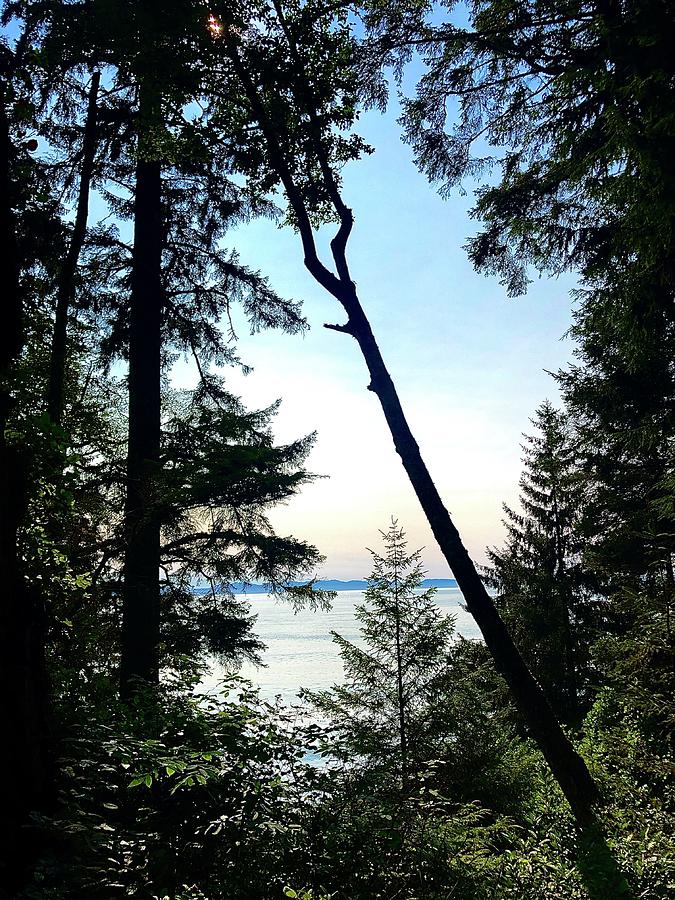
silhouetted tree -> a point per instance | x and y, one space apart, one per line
65 289
542 589
287 66
573 108
397 674
25 758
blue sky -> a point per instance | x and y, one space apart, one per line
468 363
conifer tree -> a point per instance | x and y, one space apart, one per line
573 107
538 573
65 290
158 170
397 672
622 407
97 297
23 677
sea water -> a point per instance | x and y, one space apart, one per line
300 650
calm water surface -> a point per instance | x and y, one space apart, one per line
300 652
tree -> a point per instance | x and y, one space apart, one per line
287 66
22 626
65 290
622 407
416 710
573 108
542 587
177 261
158 170
222 473
386 711
61 487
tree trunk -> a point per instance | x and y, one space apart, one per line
402 731
64 292
140 614
24 758
567 766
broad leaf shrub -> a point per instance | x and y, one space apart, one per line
181 789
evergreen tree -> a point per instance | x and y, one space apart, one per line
158 171
65 290
68 299
387 711
23 676
623 412
573 107
222 474
418 709
542 587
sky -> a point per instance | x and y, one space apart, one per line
468 362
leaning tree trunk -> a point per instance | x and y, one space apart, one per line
140 613
64 291
568 768
24 759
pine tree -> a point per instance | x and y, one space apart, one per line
383 710
542 587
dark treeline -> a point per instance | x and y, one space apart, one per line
535 764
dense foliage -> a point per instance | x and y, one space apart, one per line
134 138
544 589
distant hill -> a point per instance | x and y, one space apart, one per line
333 585
241 587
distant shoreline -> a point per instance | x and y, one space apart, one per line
241 587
